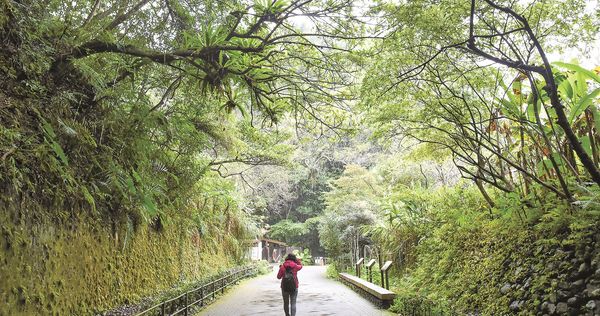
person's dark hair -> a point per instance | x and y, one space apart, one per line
291 256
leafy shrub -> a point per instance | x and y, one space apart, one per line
304 256
332 271
264 267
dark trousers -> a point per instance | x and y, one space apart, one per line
289 298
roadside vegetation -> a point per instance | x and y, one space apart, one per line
459 139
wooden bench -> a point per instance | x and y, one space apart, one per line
379 295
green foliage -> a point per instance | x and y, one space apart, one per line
351 204
124 124
135 120
455 260
128 121
356 184
450 249
500 126
287 230
264 267
332 272
290 198
304 256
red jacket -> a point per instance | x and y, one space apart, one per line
295 266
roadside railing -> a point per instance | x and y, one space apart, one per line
199 296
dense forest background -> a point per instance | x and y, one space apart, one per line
144 143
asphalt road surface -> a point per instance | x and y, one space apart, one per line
317 296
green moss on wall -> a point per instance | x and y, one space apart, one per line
499 268
86 268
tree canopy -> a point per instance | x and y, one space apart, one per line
350 128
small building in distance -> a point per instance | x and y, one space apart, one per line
268 249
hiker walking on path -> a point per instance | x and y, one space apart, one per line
288 273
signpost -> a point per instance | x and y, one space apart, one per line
384 269
369 267
358 264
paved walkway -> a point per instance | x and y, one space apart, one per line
317 296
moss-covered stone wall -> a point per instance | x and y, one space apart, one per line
46 269
495 268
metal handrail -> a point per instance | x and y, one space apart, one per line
181 304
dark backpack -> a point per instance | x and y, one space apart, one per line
287 283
